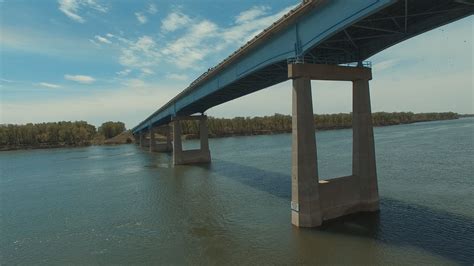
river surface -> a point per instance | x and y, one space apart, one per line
121 204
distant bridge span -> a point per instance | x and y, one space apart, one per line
318 40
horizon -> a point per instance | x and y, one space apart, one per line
99 61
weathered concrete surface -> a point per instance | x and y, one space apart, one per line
152 144
304 175
141 142
363 151
315 201
160 146
328 72
202 155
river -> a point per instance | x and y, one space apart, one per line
121 204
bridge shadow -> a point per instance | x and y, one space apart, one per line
398 223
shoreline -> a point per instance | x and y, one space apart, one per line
212 136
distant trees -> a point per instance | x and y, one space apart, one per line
111 129
47 134
56 134
81 133
279 123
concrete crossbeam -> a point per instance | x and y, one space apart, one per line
328 72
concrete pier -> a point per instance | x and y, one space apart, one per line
315 201
201 155
152 144
142 140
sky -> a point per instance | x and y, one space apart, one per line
104 60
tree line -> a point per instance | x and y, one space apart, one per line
56 134
279 123
80 133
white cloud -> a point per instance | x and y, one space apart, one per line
124 72
80 78
49 85
152 9
6 80
147 71
174 21
140 54
199 39
249 23
193 46
251 14
71 8
141 18
102 39
174 76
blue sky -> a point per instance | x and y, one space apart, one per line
100 60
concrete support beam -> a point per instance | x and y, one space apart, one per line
328 72
304 176
202 155
363 151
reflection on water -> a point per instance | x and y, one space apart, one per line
122 205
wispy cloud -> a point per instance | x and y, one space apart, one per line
174 21
197 39
6 80
102 39
141 18
251 14
49 85
124 72
71 8
175 76
80 78
142 53
152 9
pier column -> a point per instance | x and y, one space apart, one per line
305 205
141 139
177 142
166 146
201 155
169 144
152 139
363 151
204 135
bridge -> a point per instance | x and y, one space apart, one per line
317 40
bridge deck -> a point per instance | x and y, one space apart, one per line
317 31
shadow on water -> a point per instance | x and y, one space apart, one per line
398 223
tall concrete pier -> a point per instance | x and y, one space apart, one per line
313 200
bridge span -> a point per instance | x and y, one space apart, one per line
318 40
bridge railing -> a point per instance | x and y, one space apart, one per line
308 59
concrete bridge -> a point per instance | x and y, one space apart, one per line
318 40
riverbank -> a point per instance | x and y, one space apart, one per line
218 128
